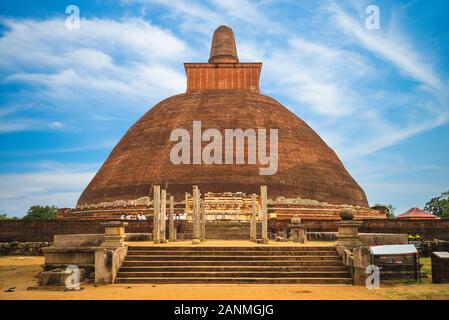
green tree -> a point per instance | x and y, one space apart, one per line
439 205
3 216
388 208
41 213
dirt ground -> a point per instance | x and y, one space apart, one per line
21 273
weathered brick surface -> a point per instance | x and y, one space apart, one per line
430 229
205 76
44 230
307 166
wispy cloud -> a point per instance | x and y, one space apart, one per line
58 187
392 47
112 65
30 124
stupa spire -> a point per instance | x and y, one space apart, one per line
223 49
223 71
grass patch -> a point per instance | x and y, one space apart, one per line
426 266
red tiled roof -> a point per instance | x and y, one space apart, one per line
417 213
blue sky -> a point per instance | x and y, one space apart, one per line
379 98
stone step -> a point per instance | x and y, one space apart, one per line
230 253
263 263
235 274
228 257
344 280
233 264
232 248
221 268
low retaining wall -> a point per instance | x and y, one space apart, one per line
22 248
430 229
44 230
368 239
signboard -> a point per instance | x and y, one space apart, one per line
416 239
395 249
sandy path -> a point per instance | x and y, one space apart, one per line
20 272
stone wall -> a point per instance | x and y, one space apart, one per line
44 230
22 248
430 229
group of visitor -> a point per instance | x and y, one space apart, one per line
177 216
133 217
180 216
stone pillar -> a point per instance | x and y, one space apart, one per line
297 230
263 195
196 216
163 216
203 220
156 213
114 234
111 253
171 226
198 213
348 231
361 259
253 225
186 203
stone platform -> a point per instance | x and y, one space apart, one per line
233 262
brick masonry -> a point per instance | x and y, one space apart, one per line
44 230
222 94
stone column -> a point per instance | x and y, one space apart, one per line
297 230
253 225
348 231
111 253
171 226
156 213
203 220
186 205
196 216
163 215
198 208
114 234
361 258
263 194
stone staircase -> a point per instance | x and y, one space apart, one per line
224 230
233 264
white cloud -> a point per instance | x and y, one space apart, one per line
190 15
42 39
392 47
13 127
62 188
316 76
56 124
113 65
27 124
247 12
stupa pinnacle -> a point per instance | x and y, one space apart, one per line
223 48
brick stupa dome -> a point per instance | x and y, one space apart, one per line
222 94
